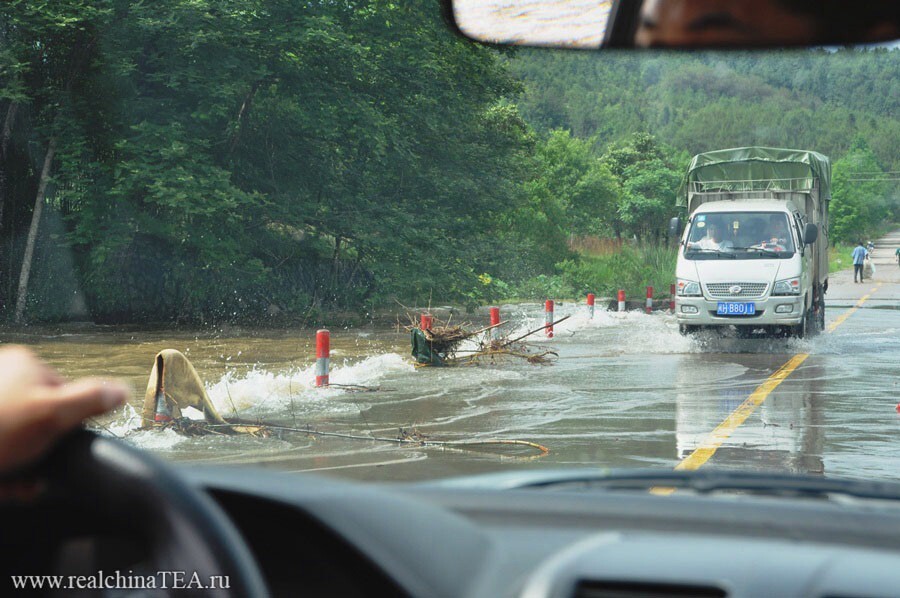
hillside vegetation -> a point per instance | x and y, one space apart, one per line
202 161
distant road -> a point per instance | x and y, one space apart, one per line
886 271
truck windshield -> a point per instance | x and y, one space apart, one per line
740 235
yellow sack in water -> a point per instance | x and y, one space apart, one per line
174 385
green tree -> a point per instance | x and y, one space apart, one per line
860 201
649 182
221 159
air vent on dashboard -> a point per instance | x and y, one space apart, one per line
631 589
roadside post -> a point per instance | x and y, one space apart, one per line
672 298
163 413
621 300
590 304
426 321
649 300
495 319
548 317
323 354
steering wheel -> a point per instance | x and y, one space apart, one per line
102 483
771 245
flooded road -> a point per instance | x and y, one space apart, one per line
627 391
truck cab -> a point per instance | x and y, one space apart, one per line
753 253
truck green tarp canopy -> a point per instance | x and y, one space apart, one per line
758 167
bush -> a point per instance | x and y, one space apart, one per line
543 287
632 268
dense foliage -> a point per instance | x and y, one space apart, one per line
706 101
219 159
845 104
206 160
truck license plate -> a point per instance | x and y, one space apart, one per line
732 308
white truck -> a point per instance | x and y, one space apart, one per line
754 251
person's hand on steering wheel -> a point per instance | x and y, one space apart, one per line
773 244
54 475
38 407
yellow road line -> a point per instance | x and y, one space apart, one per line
723 431
706 450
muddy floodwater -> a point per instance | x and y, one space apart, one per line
627 391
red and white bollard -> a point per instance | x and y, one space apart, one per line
548 317
495 320
163 413
323 355
649 300
590 304
621 300
426 321
672 298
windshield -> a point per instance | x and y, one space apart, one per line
739 235
287 225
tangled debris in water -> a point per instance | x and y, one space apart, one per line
192 427
445 339
411 435
439 345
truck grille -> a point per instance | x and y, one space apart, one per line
748 289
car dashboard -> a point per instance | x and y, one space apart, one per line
320 536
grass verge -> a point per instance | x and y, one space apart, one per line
839 257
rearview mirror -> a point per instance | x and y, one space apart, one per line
810 234
554 23
675 228
677 23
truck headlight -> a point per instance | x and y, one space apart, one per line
687 288
790 286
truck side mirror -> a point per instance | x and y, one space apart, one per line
675 228
810 234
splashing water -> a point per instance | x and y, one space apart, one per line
128 426
260 393
629 332
265 392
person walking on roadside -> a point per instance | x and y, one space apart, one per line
859 258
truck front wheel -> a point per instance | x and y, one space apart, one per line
808 326
815 320
820 317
